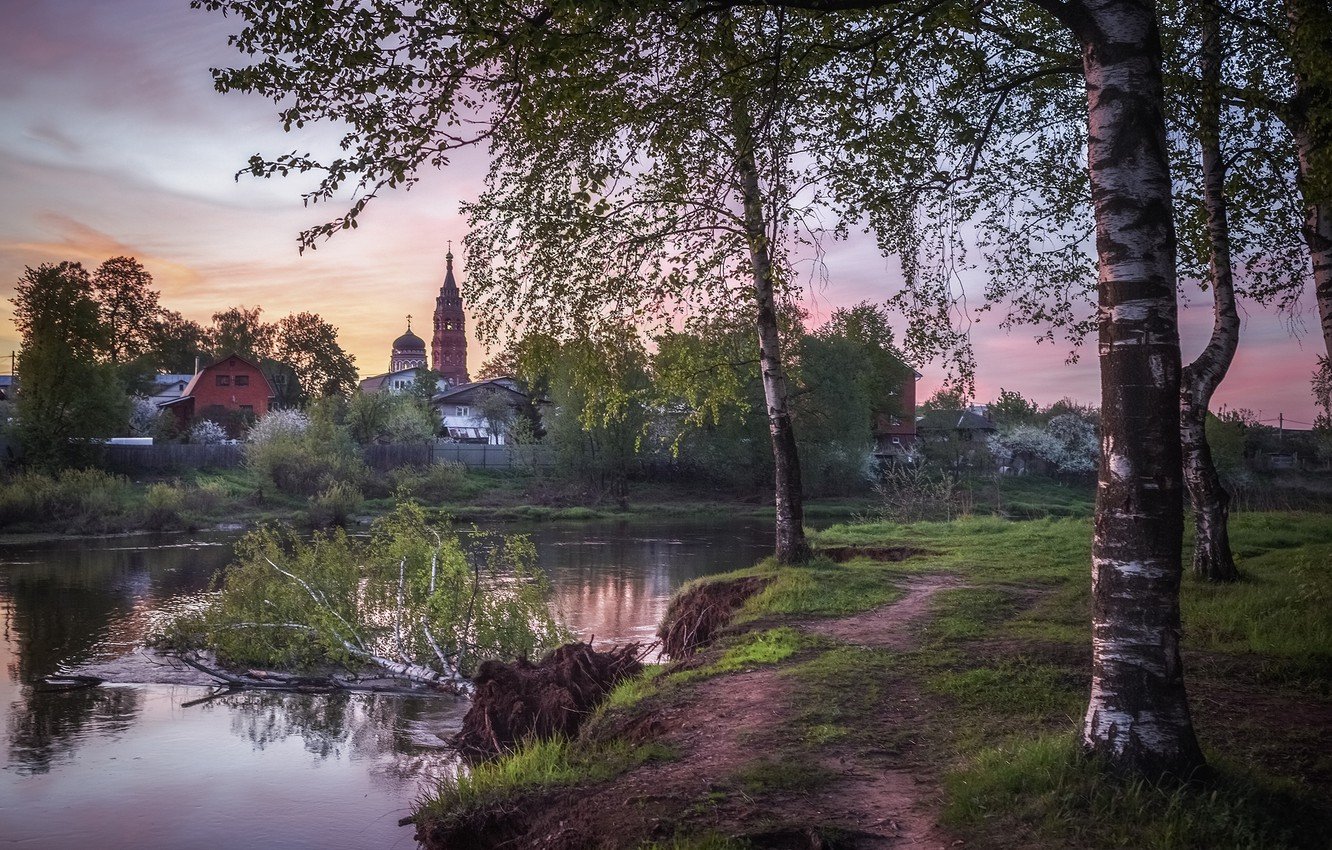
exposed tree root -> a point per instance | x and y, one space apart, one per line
696 615
518 701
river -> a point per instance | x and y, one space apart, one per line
148 764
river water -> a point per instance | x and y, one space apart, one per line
138 765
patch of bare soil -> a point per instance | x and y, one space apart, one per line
890 626
867 799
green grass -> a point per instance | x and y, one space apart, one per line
837 693
1020 687
1042 792
533 766
985 549
631 692
825 588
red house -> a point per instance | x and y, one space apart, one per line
231 391
894 435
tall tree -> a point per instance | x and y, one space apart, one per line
123 290
177 344
1212 558
1138 716
67 396
309 346
321 61
240 330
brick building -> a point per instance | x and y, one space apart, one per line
231 391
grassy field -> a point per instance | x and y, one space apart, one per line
986 701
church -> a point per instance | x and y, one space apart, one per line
448 344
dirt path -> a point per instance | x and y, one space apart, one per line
891 626
882 798
731 720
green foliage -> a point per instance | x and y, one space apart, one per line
306 462
75 500
1043 790
439 482
68 396
531 767
410 584
1010 408
598 384
162 505
334 505
128 307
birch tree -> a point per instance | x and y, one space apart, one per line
412 85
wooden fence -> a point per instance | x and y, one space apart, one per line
167 457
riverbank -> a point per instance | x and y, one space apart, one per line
923 683
83 502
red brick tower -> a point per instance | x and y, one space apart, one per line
448 349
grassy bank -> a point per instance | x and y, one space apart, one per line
96 502
979 705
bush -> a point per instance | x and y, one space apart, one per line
206 432
278 424
436 483
334 505
162 506
910 493
80 500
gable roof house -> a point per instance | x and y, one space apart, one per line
895 435
958 437
231 391
461 410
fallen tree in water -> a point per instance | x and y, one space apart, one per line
524 701
410 603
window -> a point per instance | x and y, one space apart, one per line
242 380
462 410
224 380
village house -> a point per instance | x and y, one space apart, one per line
231 391
894 435
480 411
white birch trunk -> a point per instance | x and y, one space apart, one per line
1138 716
1212 558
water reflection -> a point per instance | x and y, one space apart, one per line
166 766
46 728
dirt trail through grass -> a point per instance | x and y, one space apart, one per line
876 796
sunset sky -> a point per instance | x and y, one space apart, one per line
113 141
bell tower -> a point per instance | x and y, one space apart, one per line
448 348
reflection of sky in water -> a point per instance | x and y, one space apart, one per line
131 766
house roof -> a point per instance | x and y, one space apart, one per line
464 392
374 382
188 392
